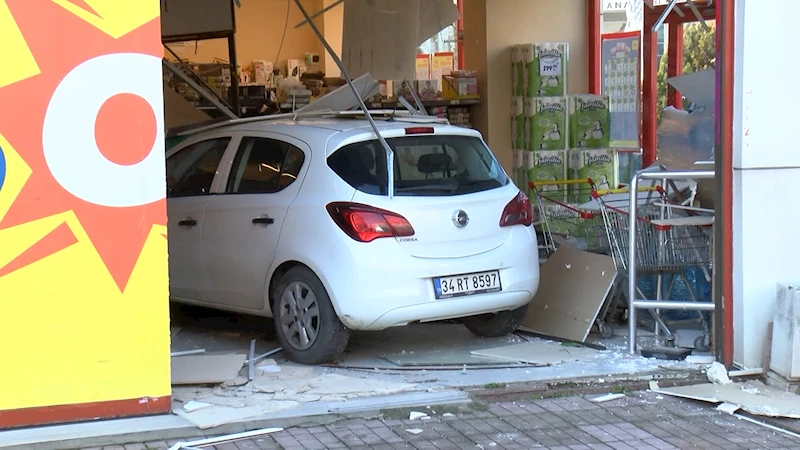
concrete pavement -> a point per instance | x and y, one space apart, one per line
640 421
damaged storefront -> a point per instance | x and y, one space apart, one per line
297 182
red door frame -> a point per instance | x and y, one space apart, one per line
724 16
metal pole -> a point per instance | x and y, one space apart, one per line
201 90
234 62
634 189
319 13
417 100
335 57
664 15
669 304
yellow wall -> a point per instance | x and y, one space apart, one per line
334 21
84 315
510 22
259 28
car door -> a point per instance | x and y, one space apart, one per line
191 173
242 224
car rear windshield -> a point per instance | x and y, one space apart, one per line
431 165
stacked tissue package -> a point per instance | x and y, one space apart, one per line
539 87
546 69
546 119
589 119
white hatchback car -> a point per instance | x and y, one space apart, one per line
291 218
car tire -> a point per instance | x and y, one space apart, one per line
498 324
302 307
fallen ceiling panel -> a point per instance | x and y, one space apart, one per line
381 37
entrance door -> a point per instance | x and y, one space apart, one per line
191 171
242 225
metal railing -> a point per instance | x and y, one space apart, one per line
654 173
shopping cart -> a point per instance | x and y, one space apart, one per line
560 218
670 238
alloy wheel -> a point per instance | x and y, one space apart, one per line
299 315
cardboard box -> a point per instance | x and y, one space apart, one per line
429 89
459 87
262 71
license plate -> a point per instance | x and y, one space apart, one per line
469 284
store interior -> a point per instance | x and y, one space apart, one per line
560 127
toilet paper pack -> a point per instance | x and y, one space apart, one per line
589 121
549 165
546 65
517 72
520 175
547 120
601 165
517 123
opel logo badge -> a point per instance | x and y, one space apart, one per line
460 218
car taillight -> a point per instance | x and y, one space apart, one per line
366 223
518 212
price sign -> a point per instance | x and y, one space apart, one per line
550 66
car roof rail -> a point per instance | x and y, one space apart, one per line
385 114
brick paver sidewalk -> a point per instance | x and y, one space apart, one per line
639 421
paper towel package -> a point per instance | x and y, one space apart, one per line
549 165
546 65
589 121
601 165
528 107
547 120
517 123
517 72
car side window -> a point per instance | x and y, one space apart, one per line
264 166
191 171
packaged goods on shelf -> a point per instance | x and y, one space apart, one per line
385 87
460 116
547 121
546 69
589 121
262 71
601 165
401 89
460 84
429 89
517 71
520 174
545 166
517 123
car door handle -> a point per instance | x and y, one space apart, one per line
187 223
263 221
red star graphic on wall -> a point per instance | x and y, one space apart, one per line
125 131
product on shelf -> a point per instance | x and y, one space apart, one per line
460 84
545 166
547 121
429 89
517 123
517 71
601 165
520 175
589 121
546 69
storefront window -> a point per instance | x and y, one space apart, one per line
626 15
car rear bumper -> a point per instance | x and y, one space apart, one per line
379 285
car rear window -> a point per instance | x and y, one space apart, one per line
431 165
